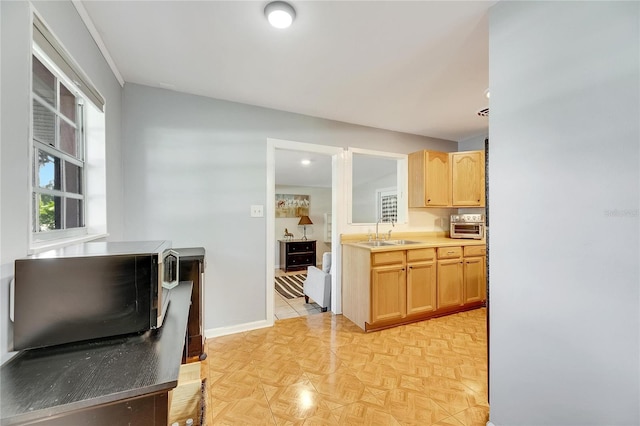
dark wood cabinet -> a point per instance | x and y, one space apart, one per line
297 254
121 380
192 269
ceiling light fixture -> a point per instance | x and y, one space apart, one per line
280 14
487 93
305 162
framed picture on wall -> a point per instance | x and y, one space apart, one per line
292 205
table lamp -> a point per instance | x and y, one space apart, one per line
304 221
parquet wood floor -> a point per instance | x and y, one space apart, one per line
323 370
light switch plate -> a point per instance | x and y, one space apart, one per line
257 211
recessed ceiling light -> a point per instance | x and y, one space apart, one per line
305 162
280 14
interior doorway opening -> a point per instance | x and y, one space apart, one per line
295 189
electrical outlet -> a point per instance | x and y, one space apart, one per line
257 211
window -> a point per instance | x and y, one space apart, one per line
58 151
387 200
68 167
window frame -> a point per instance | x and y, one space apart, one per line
36 145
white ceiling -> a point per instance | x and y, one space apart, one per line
290 171
419 67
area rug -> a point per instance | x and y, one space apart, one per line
290 286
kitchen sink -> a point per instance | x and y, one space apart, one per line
375 243
403 242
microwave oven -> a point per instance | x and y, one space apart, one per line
469 226
90 291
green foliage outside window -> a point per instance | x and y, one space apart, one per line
47 214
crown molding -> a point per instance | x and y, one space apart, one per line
84 15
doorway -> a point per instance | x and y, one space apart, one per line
297 179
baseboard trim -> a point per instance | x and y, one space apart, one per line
224 331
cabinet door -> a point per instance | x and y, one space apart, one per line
467 173
421 288
450 275
437 179
388 293
475 279
429 179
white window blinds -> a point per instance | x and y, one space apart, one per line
50 46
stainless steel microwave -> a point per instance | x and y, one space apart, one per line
90 291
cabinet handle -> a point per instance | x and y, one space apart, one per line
429 200
450 252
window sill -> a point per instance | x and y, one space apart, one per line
54 244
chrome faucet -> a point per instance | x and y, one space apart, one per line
378 223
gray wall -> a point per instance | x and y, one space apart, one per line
564 239
472 144
195 165
66 24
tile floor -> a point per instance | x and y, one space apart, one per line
290 308
323 370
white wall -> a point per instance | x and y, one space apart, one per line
565 228
195 165
15 41
320 203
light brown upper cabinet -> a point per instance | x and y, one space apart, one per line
467 179
442 179
429 179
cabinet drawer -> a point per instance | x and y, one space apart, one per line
475 251
449 252
418 255
302 246
387 258
301 259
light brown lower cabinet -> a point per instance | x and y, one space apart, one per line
403 289
385 289
475 274
450 277
388 293
421 281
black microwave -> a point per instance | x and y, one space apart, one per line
90 291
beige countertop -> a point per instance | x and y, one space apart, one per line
423 241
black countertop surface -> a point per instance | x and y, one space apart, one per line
45 382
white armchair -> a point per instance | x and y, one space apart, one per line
317 286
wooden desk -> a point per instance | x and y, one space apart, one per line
108 382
